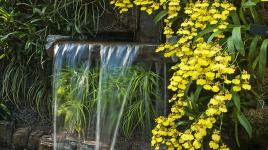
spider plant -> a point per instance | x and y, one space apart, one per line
14 86
25 87
83 16
39 97
76 97
140 109
136 84
4 111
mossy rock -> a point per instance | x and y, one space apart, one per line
20 138
46 143
6 131
259 122
34 139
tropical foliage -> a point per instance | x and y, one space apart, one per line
24 27
211 71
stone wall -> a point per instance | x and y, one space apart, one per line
134 26
18 138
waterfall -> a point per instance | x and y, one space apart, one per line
99 90
74 69
114 87
69 61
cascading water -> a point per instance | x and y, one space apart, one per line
114 88
92 93
69 60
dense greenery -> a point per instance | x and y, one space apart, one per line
26 68
24 27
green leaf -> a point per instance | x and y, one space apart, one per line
248 4
5 109
2 56
253 49
237 40
213 35
37 10
181 123
255 63
206 31
196 94
235 18
262 59
236 100
44 10
230 46
187 88
77 29
242 15
236 130
35 20
2 38
254 15
160 16
194 99
245 123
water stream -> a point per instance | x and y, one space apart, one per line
93 93
114 86
69 58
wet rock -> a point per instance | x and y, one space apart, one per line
258 119
6 130
34 139
87 147
20 138
67 145
46 143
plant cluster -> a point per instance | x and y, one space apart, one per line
24 27
77 95
209 64
73 97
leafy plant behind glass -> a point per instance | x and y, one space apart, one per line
140 109
76 92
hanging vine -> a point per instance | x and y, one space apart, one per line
203 64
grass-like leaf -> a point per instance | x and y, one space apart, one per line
230 46
237 40
235 18
160 16
245 123
253 50
262 60
236 100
